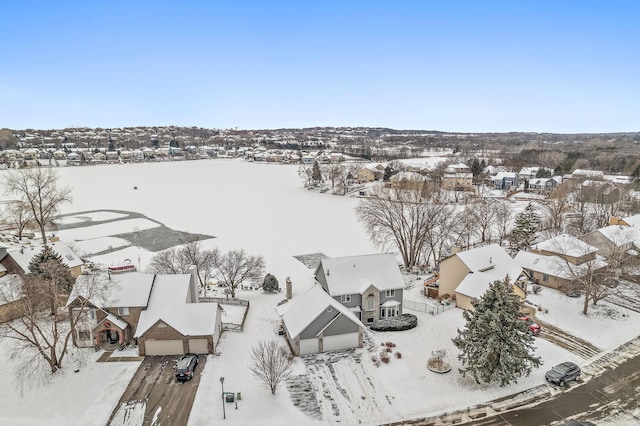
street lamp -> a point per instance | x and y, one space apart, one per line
224 414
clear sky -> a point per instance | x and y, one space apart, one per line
557 66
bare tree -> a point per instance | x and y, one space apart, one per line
38 189
502 219
305 172
19 215
271 364
483 215
553 212
235 267
39 335
178 260
397 219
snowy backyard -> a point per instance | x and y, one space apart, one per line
264 210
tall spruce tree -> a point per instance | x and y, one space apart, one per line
48 263
495 345
527 224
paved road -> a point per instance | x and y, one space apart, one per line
166 401
608 388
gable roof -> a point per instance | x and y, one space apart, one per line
22 256
351 274
486 264
567 245
300 312
169 303
127 290
620 235
633 220
557 266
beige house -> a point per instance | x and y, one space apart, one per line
370 173
468 274
457 178
559 261
613 240
10 296
408 181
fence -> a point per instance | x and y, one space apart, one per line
433 308
224 301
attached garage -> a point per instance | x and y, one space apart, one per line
199 346
163 347
309 346
340 341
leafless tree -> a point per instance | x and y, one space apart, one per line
38 189
332 173
19 215
39 335
397 219
178 260
503 220
553 211
235 267
305 171
483 216
271 364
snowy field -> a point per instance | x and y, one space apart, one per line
264 210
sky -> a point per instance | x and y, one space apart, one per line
472 66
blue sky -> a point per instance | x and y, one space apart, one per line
479 66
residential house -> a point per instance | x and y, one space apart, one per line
10 296
161 313
626 221
543 185
506 180
457 178
559 261
316 322
371 286
613 240
468 274
408 181
16 260
370 173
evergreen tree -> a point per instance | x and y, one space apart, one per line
49 265
527 224
543 172
316 174
270 283
476 168
495 345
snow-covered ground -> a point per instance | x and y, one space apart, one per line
264 210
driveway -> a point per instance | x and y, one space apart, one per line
154 397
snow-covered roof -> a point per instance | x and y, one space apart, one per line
115 321
23 256
633 220
10 288
415 176
303 310
352 274
567 245
126 290
621 235
168 303
486 264
557 266
502 175
586 172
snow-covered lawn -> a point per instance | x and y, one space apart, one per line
264 210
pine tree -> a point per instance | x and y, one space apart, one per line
495 345
527 224
48 263
270 283
316 174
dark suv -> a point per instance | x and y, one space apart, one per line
185 367
563 373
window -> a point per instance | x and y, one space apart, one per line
84 335
383 312
545 278
389 293
345 298
370 303
123 311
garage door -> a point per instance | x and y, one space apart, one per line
308 346
340 341
198 346
163 347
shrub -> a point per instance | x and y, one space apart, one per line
539 308
385 358
389 349
390 344
398 355
536 288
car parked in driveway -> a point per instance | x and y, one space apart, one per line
563 373
185 367
533 327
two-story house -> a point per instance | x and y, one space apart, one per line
613 240
371 286
506 180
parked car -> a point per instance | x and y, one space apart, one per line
185 367
563 373
534 327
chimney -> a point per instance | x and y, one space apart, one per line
288 289
193 284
